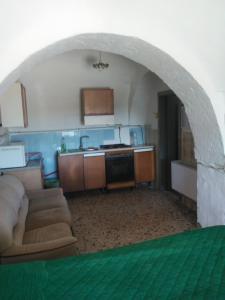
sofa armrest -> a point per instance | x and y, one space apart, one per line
27 249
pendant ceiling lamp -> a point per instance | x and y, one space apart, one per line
100 65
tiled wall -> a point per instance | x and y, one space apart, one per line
47 143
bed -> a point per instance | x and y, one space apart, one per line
190 265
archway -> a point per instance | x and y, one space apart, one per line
207 136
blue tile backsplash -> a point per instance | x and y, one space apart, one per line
47 143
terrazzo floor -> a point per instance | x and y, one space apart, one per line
122 217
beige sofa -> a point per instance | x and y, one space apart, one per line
34 225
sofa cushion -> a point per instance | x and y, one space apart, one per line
48 217
47 233
61 247
6 234
11 197
14 183
38 194
48 202
19 229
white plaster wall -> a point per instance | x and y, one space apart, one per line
184 46
200 30
190 31
211 199
53 89
144 104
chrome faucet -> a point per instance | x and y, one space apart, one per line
81 141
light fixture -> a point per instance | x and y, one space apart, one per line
100 65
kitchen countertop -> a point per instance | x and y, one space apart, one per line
78 151
31 164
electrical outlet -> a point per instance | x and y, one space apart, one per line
68 133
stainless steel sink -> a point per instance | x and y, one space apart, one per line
81 150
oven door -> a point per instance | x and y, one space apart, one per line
119 167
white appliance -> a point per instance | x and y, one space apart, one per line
12 155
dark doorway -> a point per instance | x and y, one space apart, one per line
169 111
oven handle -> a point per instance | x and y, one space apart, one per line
112 157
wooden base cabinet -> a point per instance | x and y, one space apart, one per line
94 171
87 171
71 172
144 163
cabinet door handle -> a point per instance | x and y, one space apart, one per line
94 154
144 150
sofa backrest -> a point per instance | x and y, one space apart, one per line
11 198
14 183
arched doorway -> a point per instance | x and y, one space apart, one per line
202 118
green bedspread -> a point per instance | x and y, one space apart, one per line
190 265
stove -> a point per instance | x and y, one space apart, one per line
114 146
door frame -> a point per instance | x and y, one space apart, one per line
165 93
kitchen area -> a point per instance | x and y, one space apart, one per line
109 166
98 138
89 165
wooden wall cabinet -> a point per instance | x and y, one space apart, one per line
97 102
94 171
14 107
144 163
71 172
